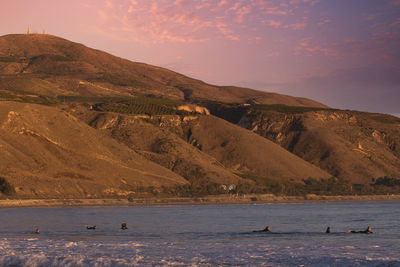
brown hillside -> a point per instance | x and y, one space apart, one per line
218 147
356 146
108 126
46 153
244 152
55 66
164 147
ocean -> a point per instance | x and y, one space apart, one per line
203 235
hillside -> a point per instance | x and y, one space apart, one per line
247 153
80 123
46 152
164 147
53 66
212 147
356 146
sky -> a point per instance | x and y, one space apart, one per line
343 53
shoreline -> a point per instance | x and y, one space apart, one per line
207 200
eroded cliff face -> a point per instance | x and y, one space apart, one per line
202 147
167 141
283 129
352 145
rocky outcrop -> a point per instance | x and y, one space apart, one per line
281 128
194 109
352 145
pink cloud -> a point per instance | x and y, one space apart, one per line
396 2
324 21
242 12
235 6
161 21
309 47
222 3
203 5
381 46
274 23
273 54
297 26
233 37
395 23
275 11
223 28
311 2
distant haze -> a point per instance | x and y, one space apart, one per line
343 53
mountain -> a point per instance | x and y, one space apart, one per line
54 66
80 123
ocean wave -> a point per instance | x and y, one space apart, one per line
98 254
68 261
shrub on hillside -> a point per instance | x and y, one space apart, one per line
5 187
387 181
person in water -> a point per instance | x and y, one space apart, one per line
266 229
328 230
123 226
366 231
37 231
91 227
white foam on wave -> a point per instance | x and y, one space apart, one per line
24 253
381 259
135 244
71 244
45 252
68 260
171 263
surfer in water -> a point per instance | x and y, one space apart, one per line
266 229
37 231
328 230
123 226
91 227
366 231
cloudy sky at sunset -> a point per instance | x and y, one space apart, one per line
343 53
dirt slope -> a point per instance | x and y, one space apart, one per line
46 152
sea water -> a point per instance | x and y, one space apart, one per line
208 235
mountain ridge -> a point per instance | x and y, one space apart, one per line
51 55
